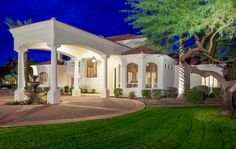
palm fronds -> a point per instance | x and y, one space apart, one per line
13 24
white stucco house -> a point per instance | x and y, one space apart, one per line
96 62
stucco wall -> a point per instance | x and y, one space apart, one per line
61 71
165 74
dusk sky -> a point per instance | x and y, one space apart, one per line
102 17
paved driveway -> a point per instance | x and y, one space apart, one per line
71 109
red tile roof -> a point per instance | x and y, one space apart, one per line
143 50
195 60
124 37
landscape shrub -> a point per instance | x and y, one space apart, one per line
216 91
156 94
17 103
118 92
14 86
204 89
195 96
28 88
84 90
71 89
147 94
132 95
66 89
62 91
46 89
93 91
211 95
172 95
172 92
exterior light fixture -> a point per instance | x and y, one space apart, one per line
93 59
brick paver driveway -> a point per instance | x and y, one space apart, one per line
71 109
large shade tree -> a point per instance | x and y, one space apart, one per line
208 21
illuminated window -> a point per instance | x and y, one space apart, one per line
132 75
91 69
119 76
210 82
151 75
43 77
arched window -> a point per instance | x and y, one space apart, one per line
91 69
151 75
132 75
43 77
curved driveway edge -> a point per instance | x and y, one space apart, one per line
37 115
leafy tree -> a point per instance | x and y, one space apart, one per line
210 22
10 66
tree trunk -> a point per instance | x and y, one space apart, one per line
227 104
233 99
184 75
227 87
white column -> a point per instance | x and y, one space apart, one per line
141 76
76 90
54 93
19 94
105 91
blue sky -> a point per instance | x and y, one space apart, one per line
102 17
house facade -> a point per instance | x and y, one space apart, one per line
97 63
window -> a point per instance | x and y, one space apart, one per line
132 75
119 76
43 77
91 69
151 75
210 82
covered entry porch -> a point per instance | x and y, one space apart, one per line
58 37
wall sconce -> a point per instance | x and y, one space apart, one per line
93 59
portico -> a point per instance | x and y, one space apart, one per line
57 37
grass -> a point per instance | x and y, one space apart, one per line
161 128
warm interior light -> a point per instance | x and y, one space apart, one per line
93 59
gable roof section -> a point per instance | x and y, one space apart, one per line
144 50
124 37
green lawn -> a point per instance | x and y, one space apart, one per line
197 127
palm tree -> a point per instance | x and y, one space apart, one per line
13 24
184 76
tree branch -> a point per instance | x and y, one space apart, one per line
206 36
233 88
213 36
217 60
197 41
203 73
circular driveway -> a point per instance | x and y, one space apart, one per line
71 109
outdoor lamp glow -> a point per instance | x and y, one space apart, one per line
93 59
